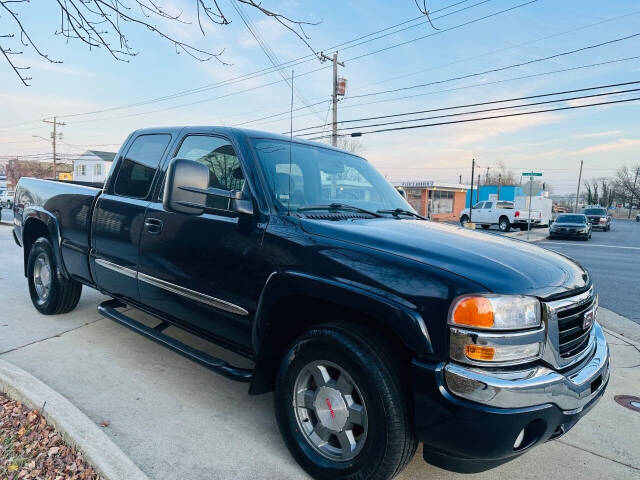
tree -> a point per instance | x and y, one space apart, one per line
350 145
105 24
627 185
500 175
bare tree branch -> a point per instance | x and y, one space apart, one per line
423 10
102 23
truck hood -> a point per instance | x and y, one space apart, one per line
500 264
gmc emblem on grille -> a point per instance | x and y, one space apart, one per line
589 317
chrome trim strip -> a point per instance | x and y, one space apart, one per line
460 337
534 386
117 268
193 295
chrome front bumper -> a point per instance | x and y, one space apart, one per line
539 385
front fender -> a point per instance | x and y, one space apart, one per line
395 313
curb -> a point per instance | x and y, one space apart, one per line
74 426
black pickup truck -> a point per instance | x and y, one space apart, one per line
376 329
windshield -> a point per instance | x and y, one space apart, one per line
595 211
571 219
321 176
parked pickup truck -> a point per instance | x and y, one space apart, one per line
376 329
500 213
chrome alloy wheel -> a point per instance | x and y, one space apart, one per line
330 410
42 276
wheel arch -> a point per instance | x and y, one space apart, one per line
41 223
291 302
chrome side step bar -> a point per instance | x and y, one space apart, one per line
109 310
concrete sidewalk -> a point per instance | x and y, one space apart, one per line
175 419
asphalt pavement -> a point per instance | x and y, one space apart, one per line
613 260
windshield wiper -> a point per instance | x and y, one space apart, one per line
399 211
337 207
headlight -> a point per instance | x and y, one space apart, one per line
496 312
496 330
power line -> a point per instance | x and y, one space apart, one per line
264 71
500 69
492 102
484 84
409 127
475 57
277 81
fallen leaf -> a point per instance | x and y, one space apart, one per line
53 450
13 467
22 431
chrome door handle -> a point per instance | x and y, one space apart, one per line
153 225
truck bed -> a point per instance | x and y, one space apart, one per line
65 208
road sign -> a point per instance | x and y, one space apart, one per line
532 174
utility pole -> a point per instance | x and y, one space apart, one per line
579 180
478 190
473 167
334 95
460 179
633 191
499 182
55 124
530 195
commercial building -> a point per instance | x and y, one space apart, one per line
435 200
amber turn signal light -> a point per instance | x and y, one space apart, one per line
479 352
474 312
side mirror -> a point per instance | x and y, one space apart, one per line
185 187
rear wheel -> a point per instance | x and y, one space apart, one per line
504 225
50 292
342 407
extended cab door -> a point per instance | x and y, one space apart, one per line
119 215
203 271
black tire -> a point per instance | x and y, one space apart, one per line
504 225
485 227
390 442
464 219
63 294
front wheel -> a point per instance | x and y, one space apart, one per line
51 293
342 406
464 219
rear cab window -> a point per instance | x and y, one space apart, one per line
139 165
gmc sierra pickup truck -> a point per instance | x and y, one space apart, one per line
375 328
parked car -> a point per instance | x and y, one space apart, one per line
572 225
500 213
376 329
6 199
598 218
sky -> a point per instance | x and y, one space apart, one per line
465 44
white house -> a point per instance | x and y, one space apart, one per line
92 166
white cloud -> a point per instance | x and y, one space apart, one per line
622 144
606 133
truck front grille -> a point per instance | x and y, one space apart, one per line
573 338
